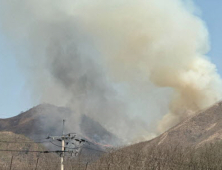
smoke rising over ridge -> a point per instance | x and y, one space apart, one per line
126 64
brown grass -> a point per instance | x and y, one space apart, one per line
175 157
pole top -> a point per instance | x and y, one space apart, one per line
63 126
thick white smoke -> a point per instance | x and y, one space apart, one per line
125 63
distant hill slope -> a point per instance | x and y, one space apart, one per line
46 119
22 160
203 128
194 143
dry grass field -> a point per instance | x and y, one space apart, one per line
207 157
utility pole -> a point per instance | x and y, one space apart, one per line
63 146
65 139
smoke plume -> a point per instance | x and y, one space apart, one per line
131 65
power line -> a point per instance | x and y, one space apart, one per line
23 142
71 138
91 141
55 144
26 151
65 146
94 149
78 147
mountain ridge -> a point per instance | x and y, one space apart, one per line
203 128
45 119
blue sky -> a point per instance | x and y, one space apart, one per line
12 83
211 14
15 98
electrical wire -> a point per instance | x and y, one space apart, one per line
64 147
55 144
94 142
26 151
95 149
23 142
79 147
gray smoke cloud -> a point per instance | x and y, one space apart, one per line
131 65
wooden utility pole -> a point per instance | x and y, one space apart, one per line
11 162
63 147
70 136
36 165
